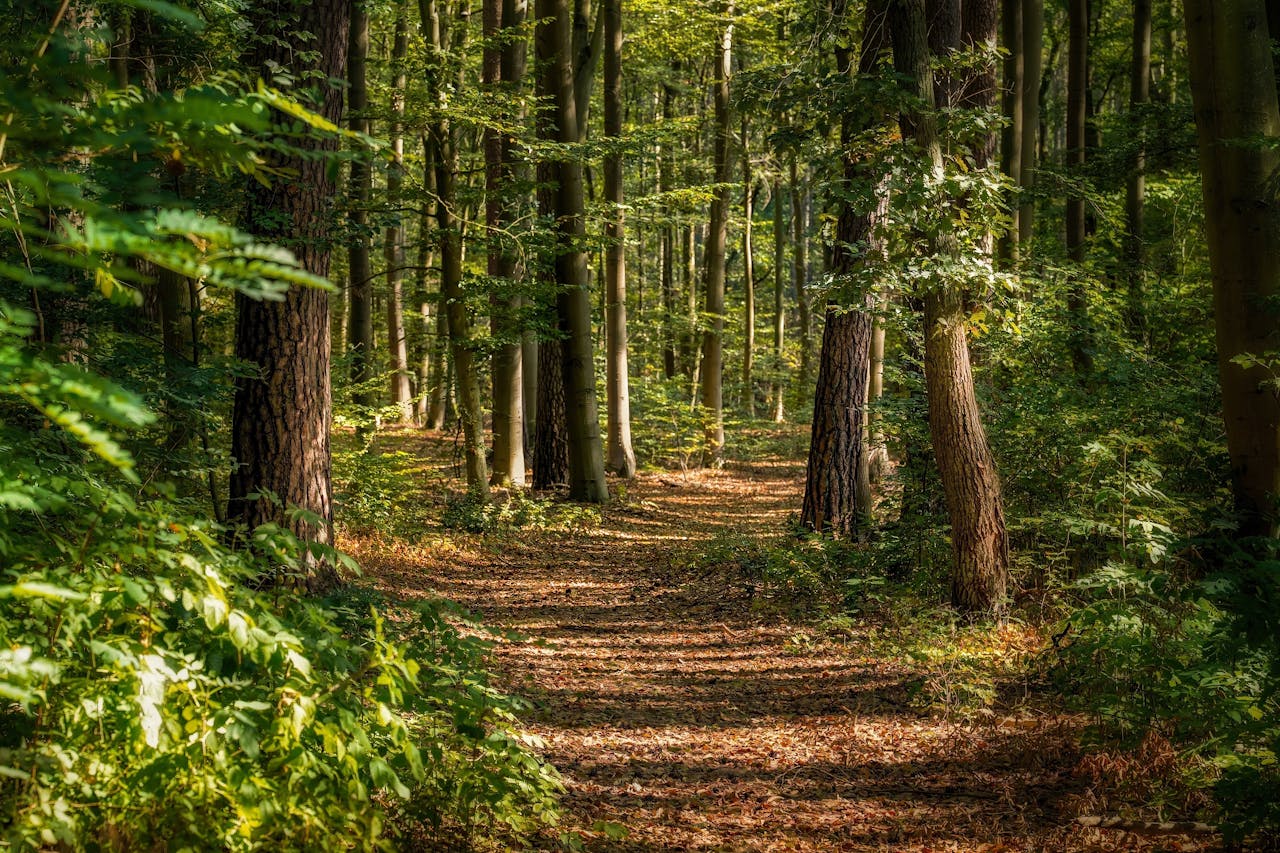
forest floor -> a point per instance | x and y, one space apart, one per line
677 704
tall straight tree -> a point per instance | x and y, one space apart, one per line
779 301
622 457
282 410
975 504
1233 90
1077 83
1032 62
712 369
502 37
555 41
837 446
360 194
1011 96
748 277
800 273
438 26
1136 187
667 238
393 249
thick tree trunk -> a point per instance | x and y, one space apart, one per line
622 458
1032 59
712 368
360 193
837 487
1011 105
393 252
1233 89
970 483
1077 83
1136 187
554 39
281 413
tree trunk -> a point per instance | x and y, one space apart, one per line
1011 104
503 65
1135 190
622 458
554 38
393 253
457 315
712 368
281 413
799 275
360 269
668 247
1233 90
748 281
975 505
837 481
1077 82
1032 58
779 303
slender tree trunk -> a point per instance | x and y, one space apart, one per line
1077 82
800 273
1135 190
837 486
282 411
668 248
748 280
360 269
457 315
503 65
972 488
1032 58
712 369
555 38
779 304
1011 102
397 341
1233 90
622 458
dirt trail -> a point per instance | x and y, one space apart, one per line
673 708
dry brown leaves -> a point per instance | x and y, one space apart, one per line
686 717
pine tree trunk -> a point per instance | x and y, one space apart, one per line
1233 90
712 368
359 266
967 468
281 414
393 253
1135 189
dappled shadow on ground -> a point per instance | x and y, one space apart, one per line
673 706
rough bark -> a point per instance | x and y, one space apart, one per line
966 466
282 411
712 368
1233 90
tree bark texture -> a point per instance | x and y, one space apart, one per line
281 414
1233 89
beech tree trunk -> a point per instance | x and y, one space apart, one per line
668 246
393 252
779 303
837 484
457 315
966 466
1077 82
1136 187
281 413
712 368
555 38
360 269
748 281
800 273
1032 60
1233 90
622 458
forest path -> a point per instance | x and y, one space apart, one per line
676 708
